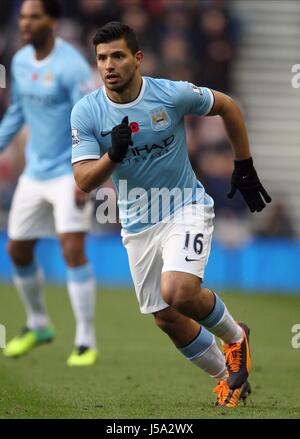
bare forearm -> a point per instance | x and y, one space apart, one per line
91 174
236 131
10 125
234 123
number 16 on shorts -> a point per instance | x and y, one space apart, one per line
193 244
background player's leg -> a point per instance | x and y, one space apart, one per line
28 220
193 341
81 287
28 280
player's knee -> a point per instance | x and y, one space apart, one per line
178 293
73 253
20 253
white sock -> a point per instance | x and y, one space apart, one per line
227 329
82 293
28 281
203 352
212 362
220 323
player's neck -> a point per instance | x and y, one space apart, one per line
44 50
129 94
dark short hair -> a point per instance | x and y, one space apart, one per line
52 8
114 30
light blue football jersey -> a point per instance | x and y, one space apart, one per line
158 159
43 95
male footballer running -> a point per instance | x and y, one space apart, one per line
132 129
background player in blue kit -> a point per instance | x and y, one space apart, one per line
48 78
133 129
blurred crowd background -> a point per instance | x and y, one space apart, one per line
192 40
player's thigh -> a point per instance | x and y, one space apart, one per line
187 244
68 217
30 216
145 261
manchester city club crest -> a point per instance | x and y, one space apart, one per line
160 120
48 79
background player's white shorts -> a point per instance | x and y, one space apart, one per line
183 244
40 208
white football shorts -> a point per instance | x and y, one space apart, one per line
41 208
182 244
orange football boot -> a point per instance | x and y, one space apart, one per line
230 398
238 360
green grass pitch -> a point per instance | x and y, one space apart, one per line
139 373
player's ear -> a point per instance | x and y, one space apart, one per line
139 58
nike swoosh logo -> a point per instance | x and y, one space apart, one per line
191 260
105 133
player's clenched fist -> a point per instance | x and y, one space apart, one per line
121 139
245 179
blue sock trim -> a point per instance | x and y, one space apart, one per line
215 315
199 345
80 274
25 270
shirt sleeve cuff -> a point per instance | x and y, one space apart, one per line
85 157
212 101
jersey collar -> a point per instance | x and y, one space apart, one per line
46 60
129 104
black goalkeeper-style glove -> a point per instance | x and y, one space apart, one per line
120 141
245 179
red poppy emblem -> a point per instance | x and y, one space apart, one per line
134 126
